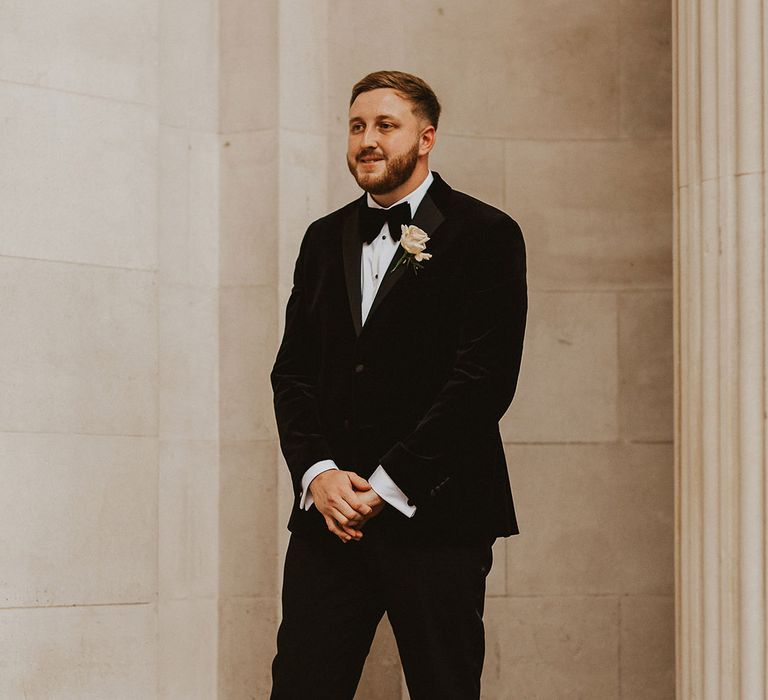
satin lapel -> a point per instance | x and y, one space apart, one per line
428 217
352 249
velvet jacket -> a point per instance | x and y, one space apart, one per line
421 386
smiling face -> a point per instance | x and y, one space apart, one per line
388 145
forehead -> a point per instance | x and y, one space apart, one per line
374 103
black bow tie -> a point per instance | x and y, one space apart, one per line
371 220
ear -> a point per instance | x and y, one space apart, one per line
427 140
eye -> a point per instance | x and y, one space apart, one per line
386 125
355 128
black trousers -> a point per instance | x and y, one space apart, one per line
335 594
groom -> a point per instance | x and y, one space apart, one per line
402 346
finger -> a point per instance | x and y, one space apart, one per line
358 481
335 529
342 512
350 505
351 530
348 527
359 522
355 534
359 507
354 502
343 522
360 518
374 512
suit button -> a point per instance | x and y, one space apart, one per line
410 502
359 368
346 424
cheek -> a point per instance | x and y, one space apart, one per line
398 144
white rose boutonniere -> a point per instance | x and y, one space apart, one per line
414 241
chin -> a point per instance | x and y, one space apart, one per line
375 187
370 183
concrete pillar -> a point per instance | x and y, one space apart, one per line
720 303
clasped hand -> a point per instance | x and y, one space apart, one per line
346 500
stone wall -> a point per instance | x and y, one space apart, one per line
161 162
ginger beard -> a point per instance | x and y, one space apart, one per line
397 170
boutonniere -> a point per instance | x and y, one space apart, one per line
414 241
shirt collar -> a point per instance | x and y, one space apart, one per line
414 198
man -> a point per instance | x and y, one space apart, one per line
400 355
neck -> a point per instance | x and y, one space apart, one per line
418 176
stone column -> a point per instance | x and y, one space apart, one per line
720 268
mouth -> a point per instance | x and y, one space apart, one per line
369 159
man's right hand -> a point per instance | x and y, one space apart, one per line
334 493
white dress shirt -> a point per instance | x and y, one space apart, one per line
375 260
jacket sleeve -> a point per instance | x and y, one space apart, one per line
294 383
482 381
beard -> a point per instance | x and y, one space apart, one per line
397 170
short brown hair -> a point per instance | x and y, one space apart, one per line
411 87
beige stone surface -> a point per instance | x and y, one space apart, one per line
78 519
188 208
249 206
720 349
525 70
303 32
78 181
646 380
647 645
382 674
342 187
79 653
496 581
303 191
189 64
594 520
168 156
248 337
472 165
247 634
189 362
563 648
248 562
548 70
189 538
355 49
568 378
79 349
187 649
646 68
595 214
248 65
94 48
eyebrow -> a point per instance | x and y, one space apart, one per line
378 116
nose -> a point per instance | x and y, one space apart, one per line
369 138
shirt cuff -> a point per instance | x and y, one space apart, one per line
382 484
306 499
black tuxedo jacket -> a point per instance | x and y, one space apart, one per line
421 386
